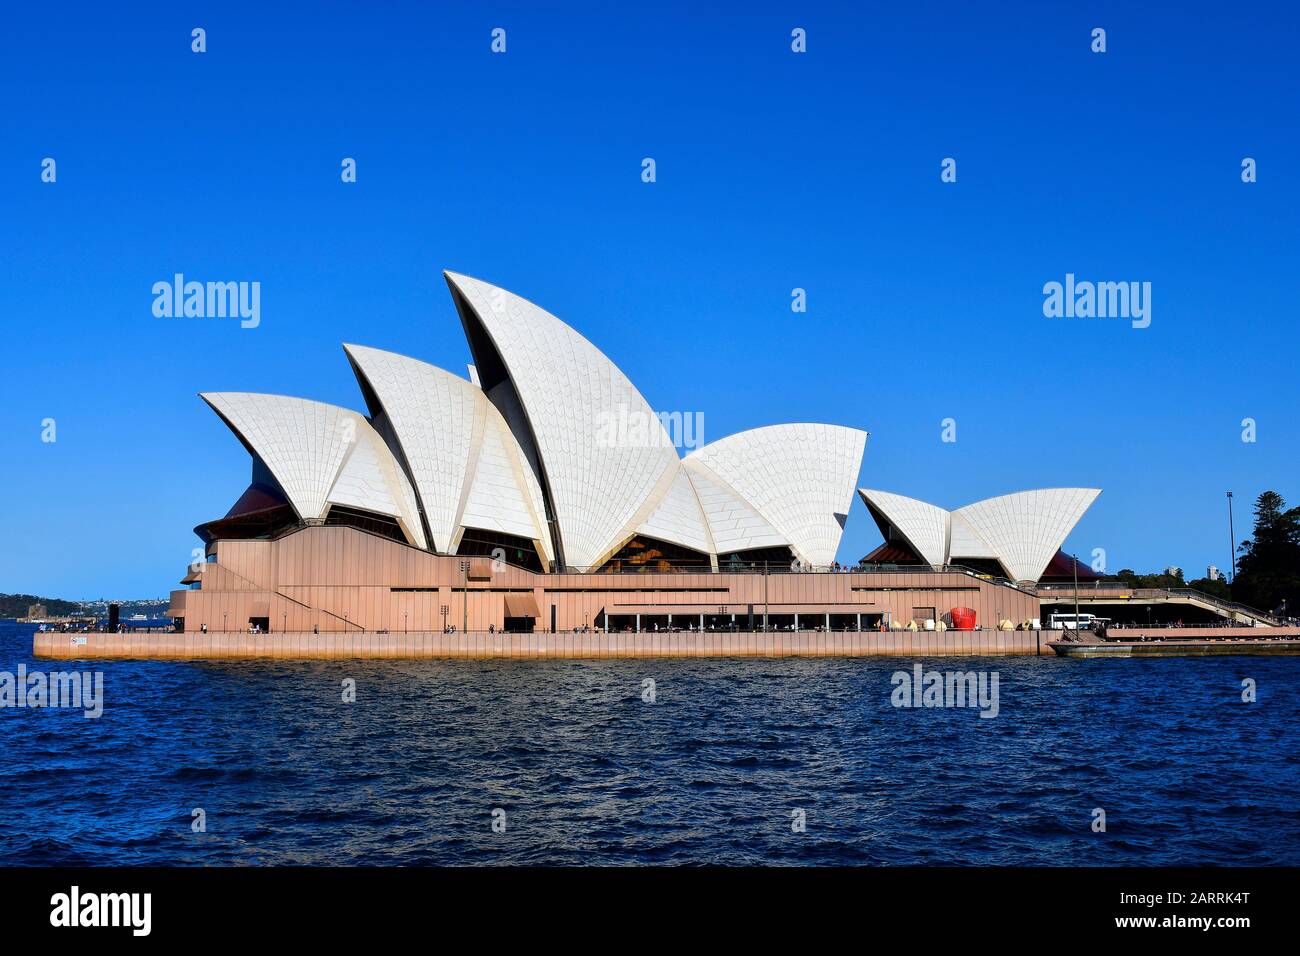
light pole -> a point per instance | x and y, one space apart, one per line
464 597
1232 541
764 597
1075 558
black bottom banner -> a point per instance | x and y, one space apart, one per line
332 905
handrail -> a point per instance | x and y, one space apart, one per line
321 610
1087 586
1119 626
278 593
759 569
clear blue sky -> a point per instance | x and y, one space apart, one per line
775 170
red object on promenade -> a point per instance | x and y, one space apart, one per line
963 619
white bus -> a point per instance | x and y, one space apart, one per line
1083 622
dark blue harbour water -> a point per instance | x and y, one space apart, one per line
586 772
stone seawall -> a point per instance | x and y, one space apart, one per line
290 645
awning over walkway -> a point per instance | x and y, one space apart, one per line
521 604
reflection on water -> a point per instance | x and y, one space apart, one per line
587 772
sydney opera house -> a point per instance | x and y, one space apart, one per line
519 499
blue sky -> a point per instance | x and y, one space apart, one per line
775 171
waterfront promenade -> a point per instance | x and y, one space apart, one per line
483 645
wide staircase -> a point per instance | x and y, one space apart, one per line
1115 592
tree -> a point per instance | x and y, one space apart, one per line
16 605
1215 587
1160 580
1268 565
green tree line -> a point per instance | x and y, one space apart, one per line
16 605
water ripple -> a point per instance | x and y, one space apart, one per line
723 768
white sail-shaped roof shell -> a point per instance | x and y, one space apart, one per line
605 454
504 495
798 477
562 430
678 517
923 525
1022 531
733 524
468 468
965 542
434 415
1026 529
321 455
372 480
